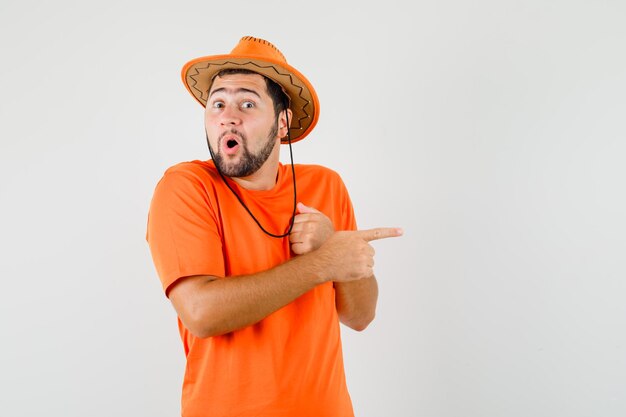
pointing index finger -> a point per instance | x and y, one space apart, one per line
379 233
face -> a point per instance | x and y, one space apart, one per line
241 124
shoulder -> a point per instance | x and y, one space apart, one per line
190 169
317 171
192 179
317 178
190 172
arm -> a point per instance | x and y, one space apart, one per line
355 300
208 306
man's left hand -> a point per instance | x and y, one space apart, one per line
311 228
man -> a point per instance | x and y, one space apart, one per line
261 261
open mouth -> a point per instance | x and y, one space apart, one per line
230 145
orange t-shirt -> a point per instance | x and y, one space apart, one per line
288 364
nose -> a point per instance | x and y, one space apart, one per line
230 116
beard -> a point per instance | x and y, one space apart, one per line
249 162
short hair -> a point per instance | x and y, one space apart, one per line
274 90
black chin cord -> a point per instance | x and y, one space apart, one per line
293 173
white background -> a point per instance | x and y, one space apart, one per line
493 132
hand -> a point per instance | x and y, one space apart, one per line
311 228
348 256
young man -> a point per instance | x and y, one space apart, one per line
260 260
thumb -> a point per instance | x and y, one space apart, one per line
305 209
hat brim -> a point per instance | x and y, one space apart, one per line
198 74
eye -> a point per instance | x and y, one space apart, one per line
217 105
247 104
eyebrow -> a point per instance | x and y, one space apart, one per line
236 91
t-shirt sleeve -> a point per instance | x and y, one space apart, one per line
183 230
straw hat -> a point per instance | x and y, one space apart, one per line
260 56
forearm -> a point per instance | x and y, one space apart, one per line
223 305
356 302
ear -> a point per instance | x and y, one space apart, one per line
282 122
